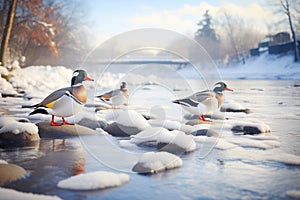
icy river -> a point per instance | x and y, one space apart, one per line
247 170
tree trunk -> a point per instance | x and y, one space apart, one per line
7 31
296 50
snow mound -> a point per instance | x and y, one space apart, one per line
18 127
94 180
15 195
131 118
148 135
178 138
153 162
294 194
3 71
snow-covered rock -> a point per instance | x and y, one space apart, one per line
15 131
94 180
16 195
250 127
154 162
233 106
148 135
127 122
175 142
48 131
9 173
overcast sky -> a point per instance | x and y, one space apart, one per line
109 18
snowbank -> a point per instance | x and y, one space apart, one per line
15 195
152 162
46 78
94 180
264 67
3 162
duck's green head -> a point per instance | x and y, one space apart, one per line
79 76
123 86
221 86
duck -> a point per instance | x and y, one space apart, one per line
204 102
65 102
116 97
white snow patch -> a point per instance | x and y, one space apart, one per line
131 118
148 135
294 194
159 161
3 162
3 71
10 194
94 180
179 138
19 127
46 79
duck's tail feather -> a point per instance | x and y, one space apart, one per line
39 111
32 106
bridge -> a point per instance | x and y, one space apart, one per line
179 62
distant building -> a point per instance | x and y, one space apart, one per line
274 44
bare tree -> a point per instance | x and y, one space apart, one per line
7 31
286 9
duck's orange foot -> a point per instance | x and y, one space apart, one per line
65 122
55 123
203 118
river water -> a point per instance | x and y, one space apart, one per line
246 173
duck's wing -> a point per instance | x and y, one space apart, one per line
109 95
202 96
186 102
51 98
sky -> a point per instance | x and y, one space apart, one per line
109 18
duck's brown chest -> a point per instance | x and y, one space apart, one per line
80 93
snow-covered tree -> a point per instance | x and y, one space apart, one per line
40 27
206 30
286 9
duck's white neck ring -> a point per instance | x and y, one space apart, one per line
74 98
